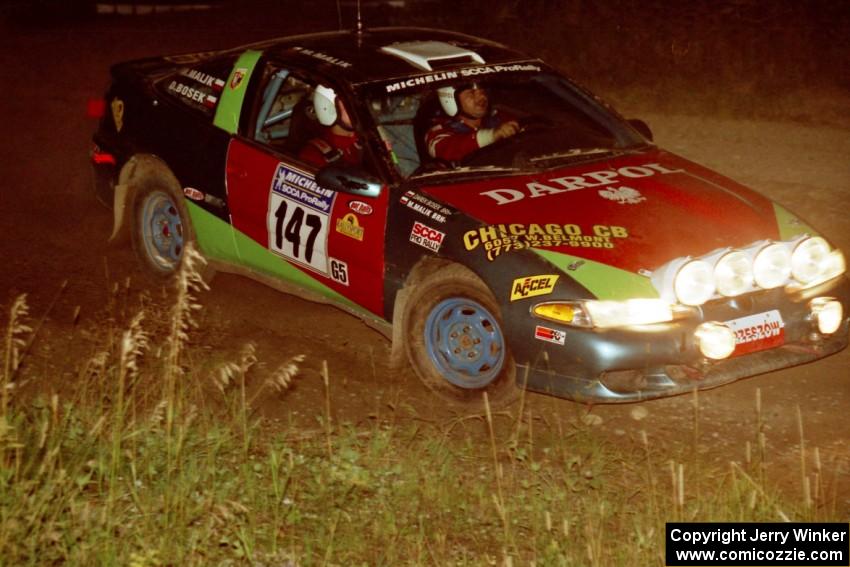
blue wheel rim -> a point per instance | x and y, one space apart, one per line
162 230
465 343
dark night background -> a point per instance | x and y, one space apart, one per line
759 58
757 90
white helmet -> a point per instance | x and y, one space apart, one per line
448 97
324 102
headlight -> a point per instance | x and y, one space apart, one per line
629 312
605 314
733 274
694 283
809 259
772 266
715 340
828 313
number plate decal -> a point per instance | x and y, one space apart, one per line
758 332
298 218
339 271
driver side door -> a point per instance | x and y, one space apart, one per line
326 241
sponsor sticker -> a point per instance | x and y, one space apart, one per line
193 94
426 237
193 194
349 226
237 78
591 180
425 206
532 286
117 106
758 332
298 218
622 195
360 208
301 186
323 57
202 78
499 238
339 271
549 335
468 72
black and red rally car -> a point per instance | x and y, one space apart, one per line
574 258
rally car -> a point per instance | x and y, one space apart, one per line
574 258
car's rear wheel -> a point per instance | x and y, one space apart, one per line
455 339
159 234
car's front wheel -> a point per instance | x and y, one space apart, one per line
455 339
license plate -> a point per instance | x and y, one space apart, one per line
758 332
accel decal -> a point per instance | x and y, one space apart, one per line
549 335
589 180
499 238
532 286
349 226
426 237
117 107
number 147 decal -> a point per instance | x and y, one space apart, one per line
299 233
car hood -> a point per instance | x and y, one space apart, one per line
632 212
635 211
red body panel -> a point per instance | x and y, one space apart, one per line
279 205
631 212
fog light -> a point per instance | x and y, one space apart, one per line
827 312
715 340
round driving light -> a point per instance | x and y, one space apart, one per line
733 274
715 340
810 259
694 284
828 313
772 266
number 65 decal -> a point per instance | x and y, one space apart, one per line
299 233
339 271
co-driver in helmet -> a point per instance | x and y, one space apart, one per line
469 123
338 141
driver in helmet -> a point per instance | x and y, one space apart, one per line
469 124
338 141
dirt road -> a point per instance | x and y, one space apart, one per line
54 232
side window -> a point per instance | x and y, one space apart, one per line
198 86
286 118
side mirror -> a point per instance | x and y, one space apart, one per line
642 128
349 179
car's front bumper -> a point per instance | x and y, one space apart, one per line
618 366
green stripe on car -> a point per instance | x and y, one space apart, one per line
602 280
220 241
230 103
789 225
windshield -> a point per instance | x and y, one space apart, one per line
516 121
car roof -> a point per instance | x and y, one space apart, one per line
387 53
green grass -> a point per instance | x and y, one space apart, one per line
152 464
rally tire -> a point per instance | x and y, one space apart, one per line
455 341
160 228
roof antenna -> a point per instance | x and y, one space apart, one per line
359 20
339 14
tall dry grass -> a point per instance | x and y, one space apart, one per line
116 476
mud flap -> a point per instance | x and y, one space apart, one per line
121 211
